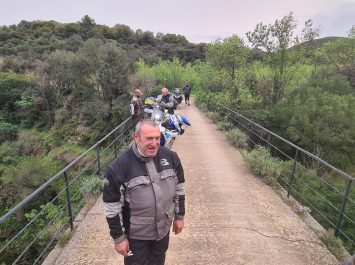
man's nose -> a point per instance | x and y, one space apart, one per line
156 142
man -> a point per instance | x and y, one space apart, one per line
167 100
137 107
187 92
143 195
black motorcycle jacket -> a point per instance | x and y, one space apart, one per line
142 196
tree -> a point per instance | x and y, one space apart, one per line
340 54
230 55
11 88
276 39
113 71
87 25
21 180
122 33
320 122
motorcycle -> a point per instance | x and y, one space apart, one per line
170 125
171 128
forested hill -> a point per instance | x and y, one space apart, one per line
28 41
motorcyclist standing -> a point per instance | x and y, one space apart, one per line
187 92
166 100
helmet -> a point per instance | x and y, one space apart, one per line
183 120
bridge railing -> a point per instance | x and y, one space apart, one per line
29 231
325 189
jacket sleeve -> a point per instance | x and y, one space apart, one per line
179 197
113 198
171 102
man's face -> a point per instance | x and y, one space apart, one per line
138 93
164 93
148 140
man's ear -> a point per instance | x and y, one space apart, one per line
135 136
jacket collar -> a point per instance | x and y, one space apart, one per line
139 154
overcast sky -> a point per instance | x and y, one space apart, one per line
197 20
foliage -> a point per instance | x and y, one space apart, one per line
213 116
169 73
237 138
211 79
8 132
144 77
334 244
11 88
321 122
21 180
260 162
90 186
340 54
229 55
276 39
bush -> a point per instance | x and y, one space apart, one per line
91 186
202 105
214 116
260 162
8 132
60 117
237 138
24 178
224 126
334 244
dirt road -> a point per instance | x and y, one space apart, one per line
232 217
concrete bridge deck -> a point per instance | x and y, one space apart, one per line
232 217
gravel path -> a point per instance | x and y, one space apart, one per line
232 217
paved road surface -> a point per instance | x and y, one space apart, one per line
232 217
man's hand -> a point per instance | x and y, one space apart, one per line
178 225
123 248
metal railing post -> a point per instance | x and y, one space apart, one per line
115 144
98 160
292 174
343 207
67 191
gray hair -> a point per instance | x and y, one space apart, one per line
140 124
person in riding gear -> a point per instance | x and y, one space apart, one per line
167 100
187 92
137 106
143 197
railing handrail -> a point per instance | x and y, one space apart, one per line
290 143
30 197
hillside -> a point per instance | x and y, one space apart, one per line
31 40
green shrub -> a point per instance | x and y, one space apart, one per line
224 125
334 244
10 152
91 186
260 162
237 138
202 105
8 132
24 178
60 117
214 116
